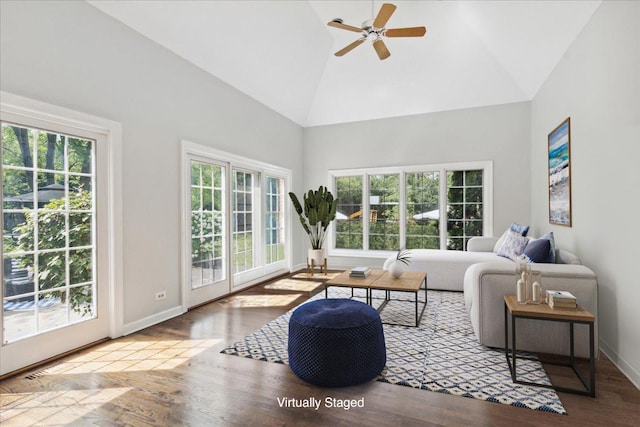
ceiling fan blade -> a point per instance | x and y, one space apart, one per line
350 47
406 32
384 14
337 23
381 49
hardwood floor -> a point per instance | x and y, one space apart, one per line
173 374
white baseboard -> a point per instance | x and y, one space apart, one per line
628 370
138 325
301 266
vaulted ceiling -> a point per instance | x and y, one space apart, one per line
475 53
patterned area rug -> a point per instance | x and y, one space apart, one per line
441 355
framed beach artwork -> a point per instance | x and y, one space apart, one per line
559 141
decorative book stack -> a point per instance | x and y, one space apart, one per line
360 272
563 300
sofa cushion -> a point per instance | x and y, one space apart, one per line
537 250
566 257
445 268
520 229
515 227
552 247
501 240
513 246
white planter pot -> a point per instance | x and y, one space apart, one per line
317 255
317 258
396 269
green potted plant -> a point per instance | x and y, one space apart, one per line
316 214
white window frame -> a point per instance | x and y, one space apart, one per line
284 213
261 270
18 109
442 168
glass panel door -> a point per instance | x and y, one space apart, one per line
207 218
274 220
55 258
49 242
243 194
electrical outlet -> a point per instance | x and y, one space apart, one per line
161 295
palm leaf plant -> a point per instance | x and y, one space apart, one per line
316 214
404 256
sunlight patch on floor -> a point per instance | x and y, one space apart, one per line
294 285
127 356
316 275
53 408
247 301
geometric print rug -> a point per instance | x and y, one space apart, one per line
441 355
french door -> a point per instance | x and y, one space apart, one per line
207 252
55 283
235 223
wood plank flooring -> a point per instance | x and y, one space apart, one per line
173 374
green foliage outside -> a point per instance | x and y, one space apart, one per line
52 234
465 207
464 212
49 157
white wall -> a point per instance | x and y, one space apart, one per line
72 55
499 133
597 84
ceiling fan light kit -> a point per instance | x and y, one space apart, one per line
375 30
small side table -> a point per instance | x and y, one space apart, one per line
544 312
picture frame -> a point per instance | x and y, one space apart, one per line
559 155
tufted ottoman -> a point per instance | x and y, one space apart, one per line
336 343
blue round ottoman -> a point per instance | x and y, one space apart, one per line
336 343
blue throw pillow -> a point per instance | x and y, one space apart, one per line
513 246
537 250
552 247
520 229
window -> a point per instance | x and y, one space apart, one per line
465 207
386 209
236 227
242 201
207 224
349 212
384 203
48 230
423 210
274 220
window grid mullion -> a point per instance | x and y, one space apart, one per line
402 211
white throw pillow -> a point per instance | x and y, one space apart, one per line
513 245
501 240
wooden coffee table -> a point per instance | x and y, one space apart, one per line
544 312
410 281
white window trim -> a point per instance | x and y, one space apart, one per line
234 162
112 131
442 168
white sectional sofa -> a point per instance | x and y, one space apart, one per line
486 277
446 269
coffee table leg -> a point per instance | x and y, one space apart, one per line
417 320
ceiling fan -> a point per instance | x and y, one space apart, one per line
375 30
